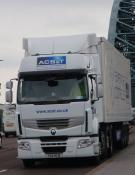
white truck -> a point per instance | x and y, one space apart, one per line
9 119
73 98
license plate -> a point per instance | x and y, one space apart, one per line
54 155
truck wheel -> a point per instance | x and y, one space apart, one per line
28 163
127 135
110 147
6 135
97 160
103 144
122 143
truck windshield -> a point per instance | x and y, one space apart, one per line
52 89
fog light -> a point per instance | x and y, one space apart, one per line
84 143
24 146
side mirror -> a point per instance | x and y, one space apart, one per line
96 87
9 96
100 90
9 85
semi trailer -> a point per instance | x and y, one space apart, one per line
73 98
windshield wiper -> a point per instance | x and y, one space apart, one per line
51 102
61 100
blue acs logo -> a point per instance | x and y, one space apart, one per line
52 60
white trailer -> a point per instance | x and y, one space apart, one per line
73 98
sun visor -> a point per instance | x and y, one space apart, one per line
60 45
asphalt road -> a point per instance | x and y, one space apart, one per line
10 165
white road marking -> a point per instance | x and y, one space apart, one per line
2 171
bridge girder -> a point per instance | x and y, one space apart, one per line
122 33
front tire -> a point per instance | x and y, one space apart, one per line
6 135
103 144
28 163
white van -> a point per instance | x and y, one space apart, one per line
9 120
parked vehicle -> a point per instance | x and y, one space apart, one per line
1 124
73 98
0 140
9 119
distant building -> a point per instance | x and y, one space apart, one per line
122 33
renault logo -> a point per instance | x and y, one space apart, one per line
53 131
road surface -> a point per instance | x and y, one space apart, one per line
10 165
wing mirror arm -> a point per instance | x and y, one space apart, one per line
9 93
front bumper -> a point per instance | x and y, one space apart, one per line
37 149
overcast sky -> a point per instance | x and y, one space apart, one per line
41 18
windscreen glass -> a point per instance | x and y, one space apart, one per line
52 88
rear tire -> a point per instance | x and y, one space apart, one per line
124 137
103 144
110 146
127 135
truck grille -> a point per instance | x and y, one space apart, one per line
46 124
54 150
54 139
54 144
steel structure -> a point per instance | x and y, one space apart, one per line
122 33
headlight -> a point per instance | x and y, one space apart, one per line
24 146
84 143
